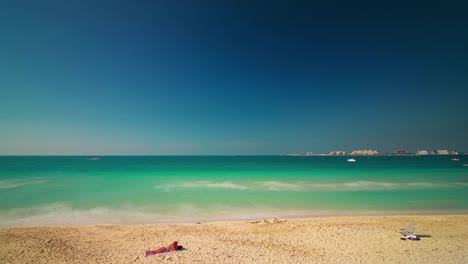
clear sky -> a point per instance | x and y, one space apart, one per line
231 77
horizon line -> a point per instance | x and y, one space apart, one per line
211 155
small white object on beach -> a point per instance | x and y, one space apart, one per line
412 237
351 160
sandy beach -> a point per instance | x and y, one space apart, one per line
361 239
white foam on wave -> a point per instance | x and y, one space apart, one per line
221 185
351 186
279 186
11 184
204 184
93 158
65 214
58 214
302 186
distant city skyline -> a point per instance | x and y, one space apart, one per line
377 152
231 77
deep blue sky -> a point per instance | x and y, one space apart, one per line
231 77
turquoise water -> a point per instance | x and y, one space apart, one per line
115 189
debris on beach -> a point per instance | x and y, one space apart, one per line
268 221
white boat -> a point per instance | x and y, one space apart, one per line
351 160
455 159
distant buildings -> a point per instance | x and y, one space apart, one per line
447 152
365 152
375 152
436 152
338 152
400 152
301 154
425 152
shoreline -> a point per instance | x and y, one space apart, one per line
345 239
35 221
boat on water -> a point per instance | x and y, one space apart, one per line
351 160
455 159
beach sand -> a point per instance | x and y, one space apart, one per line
361 239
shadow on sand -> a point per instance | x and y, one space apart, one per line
423 235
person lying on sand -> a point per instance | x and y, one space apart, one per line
172 247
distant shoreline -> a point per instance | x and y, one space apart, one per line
158 220
375 155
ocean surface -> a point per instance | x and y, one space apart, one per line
59 190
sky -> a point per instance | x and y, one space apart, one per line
231 77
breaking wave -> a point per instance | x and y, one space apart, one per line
11 184
206 184
66 214
312 186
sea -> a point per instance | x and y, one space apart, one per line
72 190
